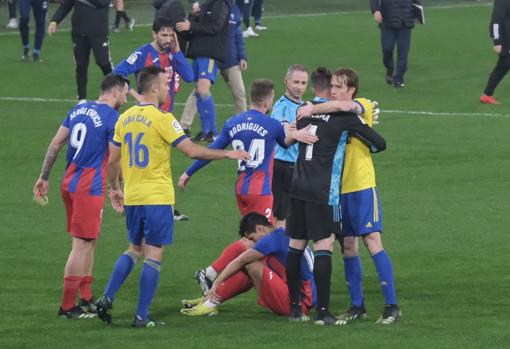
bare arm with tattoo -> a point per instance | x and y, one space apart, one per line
42 185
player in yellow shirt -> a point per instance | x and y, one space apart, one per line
141 147
361 207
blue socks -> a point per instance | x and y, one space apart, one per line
121 270
353 272
149 280
385 272
205 106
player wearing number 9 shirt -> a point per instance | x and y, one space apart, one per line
257 133
89 128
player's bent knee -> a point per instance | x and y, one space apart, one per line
373 242
350 246
324 244
203 86
154 252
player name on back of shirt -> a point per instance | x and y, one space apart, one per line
92 113
136 118
324 117
248 126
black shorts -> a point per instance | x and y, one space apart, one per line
282 179
312 221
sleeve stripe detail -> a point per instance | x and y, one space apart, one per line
179 140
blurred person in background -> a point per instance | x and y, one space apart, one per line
500 33
208 46
121 14
39 8
13 22
253 7
396 20
89 31
231 71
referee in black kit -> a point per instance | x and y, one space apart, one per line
315 202
89 30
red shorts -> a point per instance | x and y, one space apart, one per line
274 294
262 204
84 214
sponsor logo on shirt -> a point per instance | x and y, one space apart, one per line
132 58
177 127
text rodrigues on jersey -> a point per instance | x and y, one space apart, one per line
248 126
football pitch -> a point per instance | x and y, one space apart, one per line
444 183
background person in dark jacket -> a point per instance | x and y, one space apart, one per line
500 33
89 31
231 70
208 44
396 20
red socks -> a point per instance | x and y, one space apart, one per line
229 254
71 286
234 285
85 290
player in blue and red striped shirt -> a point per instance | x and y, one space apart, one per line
261 264
257 133
89 129
164 51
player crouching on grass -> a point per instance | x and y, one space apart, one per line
261 266
89 129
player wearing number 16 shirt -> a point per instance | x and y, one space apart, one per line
89 128
141 146
257 133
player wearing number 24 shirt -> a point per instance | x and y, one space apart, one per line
258 134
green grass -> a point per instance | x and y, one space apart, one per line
443 181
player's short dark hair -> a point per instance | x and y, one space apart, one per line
250 221
260 90
112 80
295 67
321 79
349 78
160 23
146 77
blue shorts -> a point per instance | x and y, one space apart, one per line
205 68
154 223
361 212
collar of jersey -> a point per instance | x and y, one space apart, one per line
285 96
145 105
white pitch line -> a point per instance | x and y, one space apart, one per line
383 111
431 113
64 100
299 15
